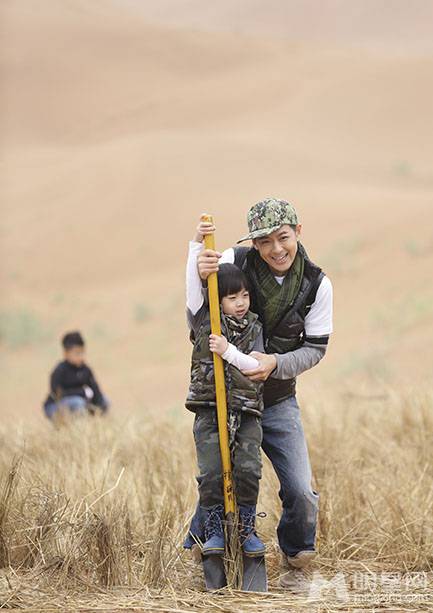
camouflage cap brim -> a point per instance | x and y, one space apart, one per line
260 233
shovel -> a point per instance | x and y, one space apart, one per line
254 577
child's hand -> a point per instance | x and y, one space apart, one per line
218 344
203 228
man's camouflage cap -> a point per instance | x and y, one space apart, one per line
267 216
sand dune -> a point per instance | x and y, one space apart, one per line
117 131
377 23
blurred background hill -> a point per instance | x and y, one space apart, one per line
121 121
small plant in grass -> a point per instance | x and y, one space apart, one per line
21 327
141 313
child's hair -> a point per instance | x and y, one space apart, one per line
231 280
72 339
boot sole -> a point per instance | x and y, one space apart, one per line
302 559
213 552
255 554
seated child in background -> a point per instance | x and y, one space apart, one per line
73 386
242 333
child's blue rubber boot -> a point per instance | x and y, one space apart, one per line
214 532
196 529
251 544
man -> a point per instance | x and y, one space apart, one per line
293 299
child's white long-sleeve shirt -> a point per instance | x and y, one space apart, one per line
232 355
194 289
196 308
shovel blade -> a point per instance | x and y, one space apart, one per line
214 573
254 578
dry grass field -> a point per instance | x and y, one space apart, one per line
92 516
120 122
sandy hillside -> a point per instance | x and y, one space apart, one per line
121 123
392 26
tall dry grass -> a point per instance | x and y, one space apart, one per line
96 512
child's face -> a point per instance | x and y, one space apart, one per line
236 304
75 355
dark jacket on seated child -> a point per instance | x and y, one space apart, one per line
70 380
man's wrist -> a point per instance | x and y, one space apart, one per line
274 370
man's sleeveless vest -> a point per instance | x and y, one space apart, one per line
288 333
242 394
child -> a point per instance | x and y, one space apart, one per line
72 383
242 333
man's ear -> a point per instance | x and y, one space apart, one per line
298 230
255 243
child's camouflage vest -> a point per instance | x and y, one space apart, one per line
242 394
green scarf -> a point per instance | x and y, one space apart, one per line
235 328
275 299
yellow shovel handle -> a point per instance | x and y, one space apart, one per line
220 388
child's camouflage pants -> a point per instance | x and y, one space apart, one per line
245 453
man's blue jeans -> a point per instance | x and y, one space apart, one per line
284 444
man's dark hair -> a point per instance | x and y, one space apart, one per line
72 339
231 280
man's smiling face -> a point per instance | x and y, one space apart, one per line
279 248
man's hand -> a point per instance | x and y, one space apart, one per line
218 344
207 263
267 363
